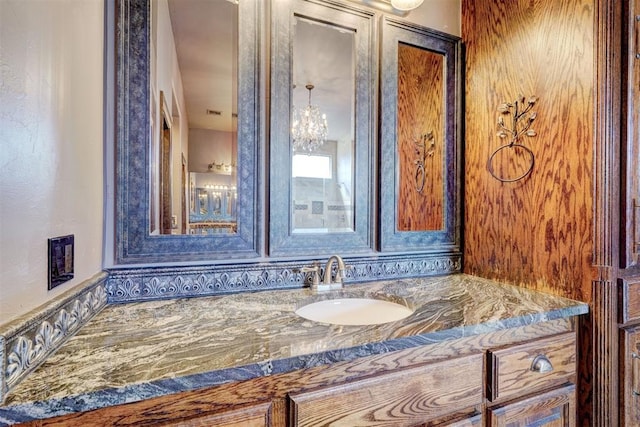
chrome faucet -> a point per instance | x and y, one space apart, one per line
327 282
339 274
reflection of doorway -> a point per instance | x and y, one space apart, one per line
165 168
184 188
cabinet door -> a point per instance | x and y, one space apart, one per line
555 408
630 377
420 143
630 162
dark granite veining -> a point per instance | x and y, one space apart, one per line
142 350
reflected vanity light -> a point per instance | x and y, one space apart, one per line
308 126
222 168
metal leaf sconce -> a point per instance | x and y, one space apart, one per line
521 120
425 147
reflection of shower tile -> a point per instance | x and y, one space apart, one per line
317 207
338 207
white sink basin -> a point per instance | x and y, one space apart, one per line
354 311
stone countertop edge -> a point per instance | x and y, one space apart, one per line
16 410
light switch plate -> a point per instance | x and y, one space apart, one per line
60 250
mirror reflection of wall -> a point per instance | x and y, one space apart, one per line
323 178
194 50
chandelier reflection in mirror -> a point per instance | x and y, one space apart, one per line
308 127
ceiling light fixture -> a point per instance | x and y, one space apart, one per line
308 126
406 4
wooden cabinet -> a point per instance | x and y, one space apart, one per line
447 393
532 383
630 154
629 348
630 376
550 409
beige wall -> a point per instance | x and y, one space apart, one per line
51 136
51 184
441 15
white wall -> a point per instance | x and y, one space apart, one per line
51 143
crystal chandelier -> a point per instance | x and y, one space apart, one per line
308 127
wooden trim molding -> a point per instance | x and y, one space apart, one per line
604 378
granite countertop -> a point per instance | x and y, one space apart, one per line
142 350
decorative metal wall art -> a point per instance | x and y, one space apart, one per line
425 146
521 119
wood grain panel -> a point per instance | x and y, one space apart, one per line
251 416
402 398
420 112
538 231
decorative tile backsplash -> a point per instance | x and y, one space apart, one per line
160 283
27 341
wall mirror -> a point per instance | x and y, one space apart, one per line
322 92
420 139
194 74
186 120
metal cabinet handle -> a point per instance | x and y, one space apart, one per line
541 364
635 236
635 373
637 36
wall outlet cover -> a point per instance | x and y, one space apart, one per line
60 260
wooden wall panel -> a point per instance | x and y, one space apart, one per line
420 112
536 232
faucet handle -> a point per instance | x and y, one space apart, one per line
315 269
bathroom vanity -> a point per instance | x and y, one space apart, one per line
473 352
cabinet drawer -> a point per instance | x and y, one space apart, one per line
549 409
252 416
445 390
525 368
629 300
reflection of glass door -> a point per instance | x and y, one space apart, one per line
322 201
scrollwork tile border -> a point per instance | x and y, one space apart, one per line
144 284
27 341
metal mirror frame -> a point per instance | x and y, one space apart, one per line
282 242
127 147
395 31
